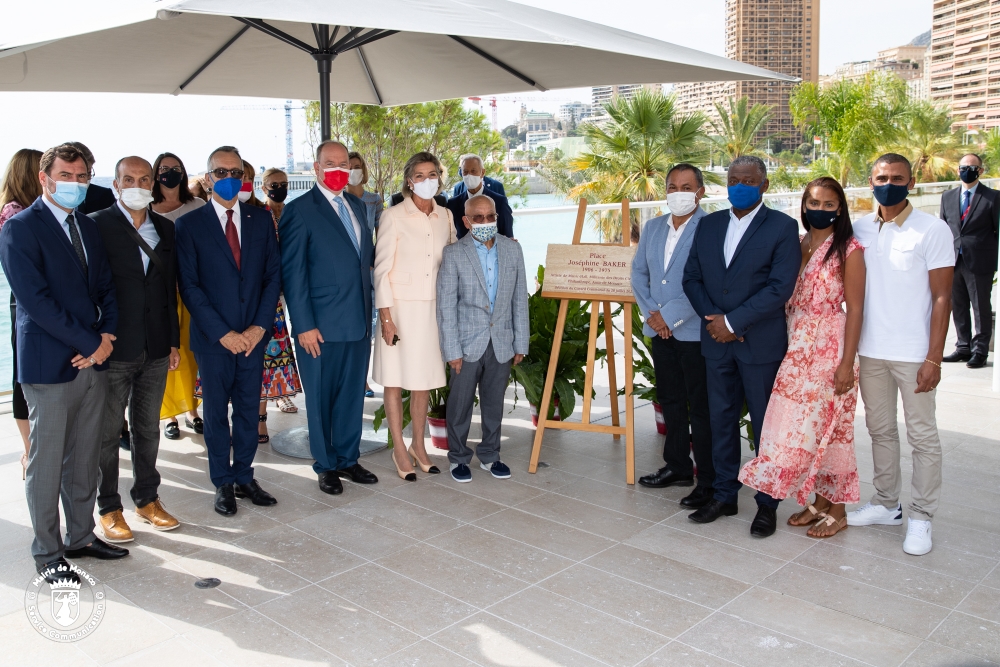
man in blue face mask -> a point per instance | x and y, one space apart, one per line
740 272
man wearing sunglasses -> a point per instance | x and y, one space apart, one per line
229 272
482 316
972 211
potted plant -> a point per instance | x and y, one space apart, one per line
570 378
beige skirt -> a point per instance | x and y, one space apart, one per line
414 362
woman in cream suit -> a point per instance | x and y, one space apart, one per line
411 238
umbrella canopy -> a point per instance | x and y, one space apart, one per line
383 52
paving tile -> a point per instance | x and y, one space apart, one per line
451 502
751 645
170 653
338 626
929 654
224 528
31 648
253 640
536 531
680 580
970 634
585 516
400 516
249 577
906 579
632 501
706 553
500 553
488 640
627 600
424 653
832 630
983 602
117 636
783 545
993 578
676 654
872 604
353 534
453 575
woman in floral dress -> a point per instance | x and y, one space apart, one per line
807 439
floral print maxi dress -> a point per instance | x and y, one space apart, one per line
807 439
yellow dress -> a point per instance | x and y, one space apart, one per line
178 397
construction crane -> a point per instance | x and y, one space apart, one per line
515 98
289 151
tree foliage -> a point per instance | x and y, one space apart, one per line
927 141
739 129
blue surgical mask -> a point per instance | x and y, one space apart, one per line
484 232
890 194
227 188
69 194
743 196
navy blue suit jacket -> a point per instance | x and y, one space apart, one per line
220 297
753 290
505 216
328 285
491 184
59 313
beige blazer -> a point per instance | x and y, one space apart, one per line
408 252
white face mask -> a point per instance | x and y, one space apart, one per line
472 182
426 189
355 177
681 203
136 199
244 196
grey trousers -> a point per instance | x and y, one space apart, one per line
881 382
139 385
491 377
63 460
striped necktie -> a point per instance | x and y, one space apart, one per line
345 218
74 237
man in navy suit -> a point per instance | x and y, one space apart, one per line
475 184
229 272
66 317
326 261
740 272
491 184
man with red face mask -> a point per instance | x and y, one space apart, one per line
326 259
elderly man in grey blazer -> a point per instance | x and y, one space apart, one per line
482 316
681 384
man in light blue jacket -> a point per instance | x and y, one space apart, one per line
672 323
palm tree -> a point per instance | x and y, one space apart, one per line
739 129
927 140
629 156
991 150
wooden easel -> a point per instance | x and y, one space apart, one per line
616 429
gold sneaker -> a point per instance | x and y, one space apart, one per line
156 516
115 529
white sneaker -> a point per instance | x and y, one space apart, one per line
918 537
875 515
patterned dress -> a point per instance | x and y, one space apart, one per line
807 439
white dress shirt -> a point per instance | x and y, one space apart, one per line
147 230
61 216
220 212
673 236
332 197
734 234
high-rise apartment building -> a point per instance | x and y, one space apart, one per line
601 95
962 74
907 62
779 35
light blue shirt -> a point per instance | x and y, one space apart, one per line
61 216
491 268
148 233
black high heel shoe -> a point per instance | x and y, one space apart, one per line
262 437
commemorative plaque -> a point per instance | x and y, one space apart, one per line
599 272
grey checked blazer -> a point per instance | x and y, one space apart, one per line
465 324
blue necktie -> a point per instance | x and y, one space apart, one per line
966 197
345 218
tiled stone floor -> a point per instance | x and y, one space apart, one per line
567 567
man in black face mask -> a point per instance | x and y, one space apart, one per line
972 211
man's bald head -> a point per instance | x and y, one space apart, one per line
479 205
132 163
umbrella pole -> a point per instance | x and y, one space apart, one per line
323 62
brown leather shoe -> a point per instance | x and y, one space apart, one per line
156 516
115 529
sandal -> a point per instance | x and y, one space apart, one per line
262 437
285 405
828 521
796 519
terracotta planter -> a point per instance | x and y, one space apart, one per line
661 426
439 432
534 413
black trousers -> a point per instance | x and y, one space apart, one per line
138 384
682 392
972 289
20 405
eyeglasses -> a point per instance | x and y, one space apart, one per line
221 173
167 170
480 219
277 184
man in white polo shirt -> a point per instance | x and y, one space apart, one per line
910 258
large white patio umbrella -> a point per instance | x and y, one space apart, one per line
383 52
